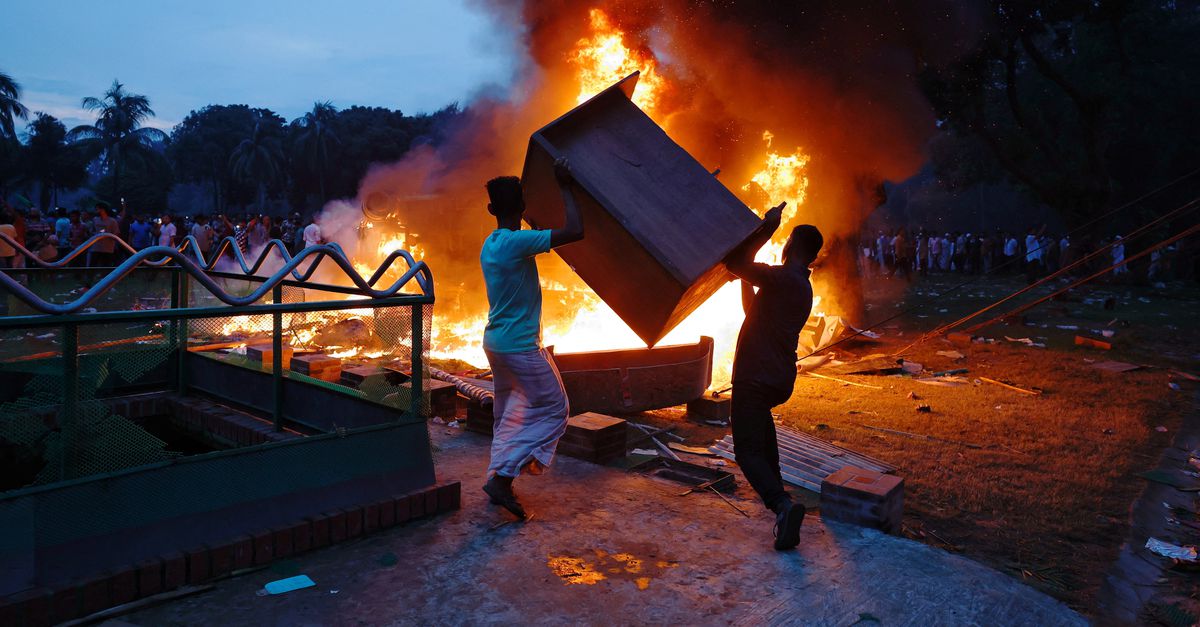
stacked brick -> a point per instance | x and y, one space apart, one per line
594 437
199 565
863 497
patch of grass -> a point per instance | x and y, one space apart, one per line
1046 495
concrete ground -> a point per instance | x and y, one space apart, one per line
606 546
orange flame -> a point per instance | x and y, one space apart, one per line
603 59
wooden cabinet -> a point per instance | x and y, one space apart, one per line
657 223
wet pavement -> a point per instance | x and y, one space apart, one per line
607 546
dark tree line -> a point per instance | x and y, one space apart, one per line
1083 104
244 157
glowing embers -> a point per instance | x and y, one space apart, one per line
626 566
603 59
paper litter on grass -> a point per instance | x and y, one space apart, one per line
1173 551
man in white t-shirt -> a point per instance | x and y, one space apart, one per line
166 233
312 233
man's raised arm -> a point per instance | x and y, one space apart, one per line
741 260
572 229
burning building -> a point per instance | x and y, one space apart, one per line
815 105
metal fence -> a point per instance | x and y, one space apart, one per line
72 338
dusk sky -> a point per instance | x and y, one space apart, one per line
284 55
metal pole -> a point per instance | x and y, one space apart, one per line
179 295
277 359
418 366
70 406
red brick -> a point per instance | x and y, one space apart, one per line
449 496
264 547
221 557
301 537
198 568
403 508
150 577
431 501
354 522
66 603
95 594
174 570
387 513
863 497
416 505
320 531
371 518
283 542
337 526
123 586
243 552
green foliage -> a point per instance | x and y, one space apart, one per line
1083 105
203 144
10 106
50 161
118 135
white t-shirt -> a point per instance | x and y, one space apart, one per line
312 235
166 234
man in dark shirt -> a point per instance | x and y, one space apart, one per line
764 366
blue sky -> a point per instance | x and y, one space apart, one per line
283 55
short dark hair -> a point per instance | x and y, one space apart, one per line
505 194
807 240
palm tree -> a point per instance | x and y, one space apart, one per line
316 138
118 132
10 106
257 159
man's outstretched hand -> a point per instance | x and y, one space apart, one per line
562 171
775 214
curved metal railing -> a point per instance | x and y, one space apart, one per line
158 256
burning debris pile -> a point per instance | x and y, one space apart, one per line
794 105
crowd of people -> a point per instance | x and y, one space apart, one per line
1035 254
55 234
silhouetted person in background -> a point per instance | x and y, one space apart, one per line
764 365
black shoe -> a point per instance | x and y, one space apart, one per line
787 526
504 498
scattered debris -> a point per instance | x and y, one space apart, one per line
437 420
947 373
1115 366
1175 480
912 396
861 385
911 367
1160 429
943 381
1024 340
1067 327
805 461
920 436
1090 343
1173 551
717 423
644 451
453 424
1174 386
925 409
1107 332
281 586
955 355
1011 387
694 450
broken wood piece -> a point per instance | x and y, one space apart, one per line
662 447
921 436
1011 387
694 450
861 385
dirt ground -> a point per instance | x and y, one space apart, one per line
1038 486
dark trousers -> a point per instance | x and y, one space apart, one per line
754 443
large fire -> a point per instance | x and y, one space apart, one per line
603 59
575 318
